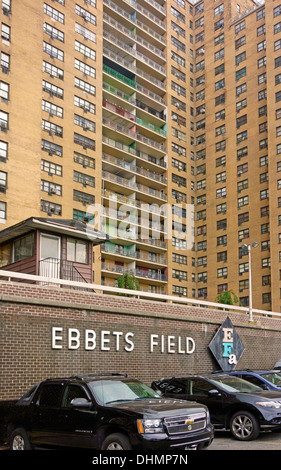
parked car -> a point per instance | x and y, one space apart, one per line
105 412
266 379
234 404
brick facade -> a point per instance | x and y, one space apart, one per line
119 339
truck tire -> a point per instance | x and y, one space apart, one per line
244 426
19 440
116 442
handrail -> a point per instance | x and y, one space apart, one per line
139 294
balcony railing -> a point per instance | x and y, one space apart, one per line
134 135
134 168
128 65
130 50
133 84
133 151
132 117
134 36
132 18
133 185
151 274
56 268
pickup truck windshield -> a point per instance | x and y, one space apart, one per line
111 391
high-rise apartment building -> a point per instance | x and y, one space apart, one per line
157 121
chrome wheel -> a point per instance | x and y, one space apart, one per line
244 426
116 441
114 446
18 443
19 440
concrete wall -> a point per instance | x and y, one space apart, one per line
123 327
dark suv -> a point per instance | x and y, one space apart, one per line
234 403
106 412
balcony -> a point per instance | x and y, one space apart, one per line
151 274
143 59
132 117
131 184
159 178
135 37
122 147
128 65
133 135
152 34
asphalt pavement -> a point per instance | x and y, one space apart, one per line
223 441
266 441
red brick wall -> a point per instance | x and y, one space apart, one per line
29 312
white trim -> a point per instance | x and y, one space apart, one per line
139 294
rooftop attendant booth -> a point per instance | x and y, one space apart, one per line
56 249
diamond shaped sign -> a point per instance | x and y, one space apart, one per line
226 346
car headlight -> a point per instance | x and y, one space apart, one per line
150 426
269 404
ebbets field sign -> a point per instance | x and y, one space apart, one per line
226 346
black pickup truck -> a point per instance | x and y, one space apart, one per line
104 412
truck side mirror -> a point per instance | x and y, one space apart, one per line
81 403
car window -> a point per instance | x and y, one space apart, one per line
73 391
50 395
274 378
252 379
177 386
200 387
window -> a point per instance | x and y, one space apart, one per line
5 32
53 51
241 89
23 247
4 91
52 109
277 11
85 68
51 168
52 70
4 121
51 208
51 148
242 201
85 50
86 87
180 291
53 32
261 30
219 10
84 198
240 73
240 26
86 33
222 272
5 62
86 180
53 13
85 123
51 188
84 141
50 396
86 15
77 250
3 151
240 42
240 58
53 129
